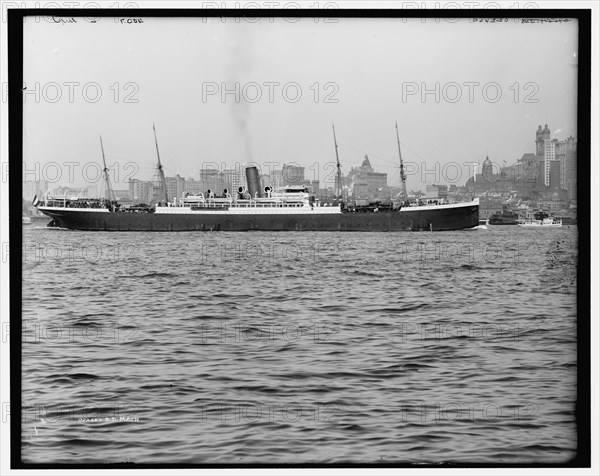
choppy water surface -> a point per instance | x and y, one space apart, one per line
299 347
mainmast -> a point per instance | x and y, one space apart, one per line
402 174
161 174
339 167
110 195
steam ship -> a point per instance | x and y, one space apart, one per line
255 208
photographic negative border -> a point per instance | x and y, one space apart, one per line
15 78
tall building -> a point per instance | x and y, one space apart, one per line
209 179
364 182
140 191
193 187
217 181
541 136
545 151
174 186
549 157
554 175
566 154
274 179
571 169
231 179
487 170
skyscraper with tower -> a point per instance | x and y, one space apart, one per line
545 152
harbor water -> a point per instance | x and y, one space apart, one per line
294 348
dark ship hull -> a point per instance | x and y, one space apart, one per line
438 218
503 221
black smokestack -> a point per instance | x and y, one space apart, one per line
253 182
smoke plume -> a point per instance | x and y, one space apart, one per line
239 73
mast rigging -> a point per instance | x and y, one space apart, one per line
339 167
402 175
161 174
110 195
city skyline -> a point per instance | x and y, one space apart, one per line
312 173
215 90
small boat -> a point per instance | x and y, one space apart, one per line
27 220
542 219
545 222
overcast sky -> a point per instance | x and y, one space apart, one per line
369 73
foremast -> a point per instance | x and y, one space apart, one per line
110 194
403 193
161 174
339 167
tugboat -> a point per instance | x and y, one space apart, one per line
505 217
257 208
